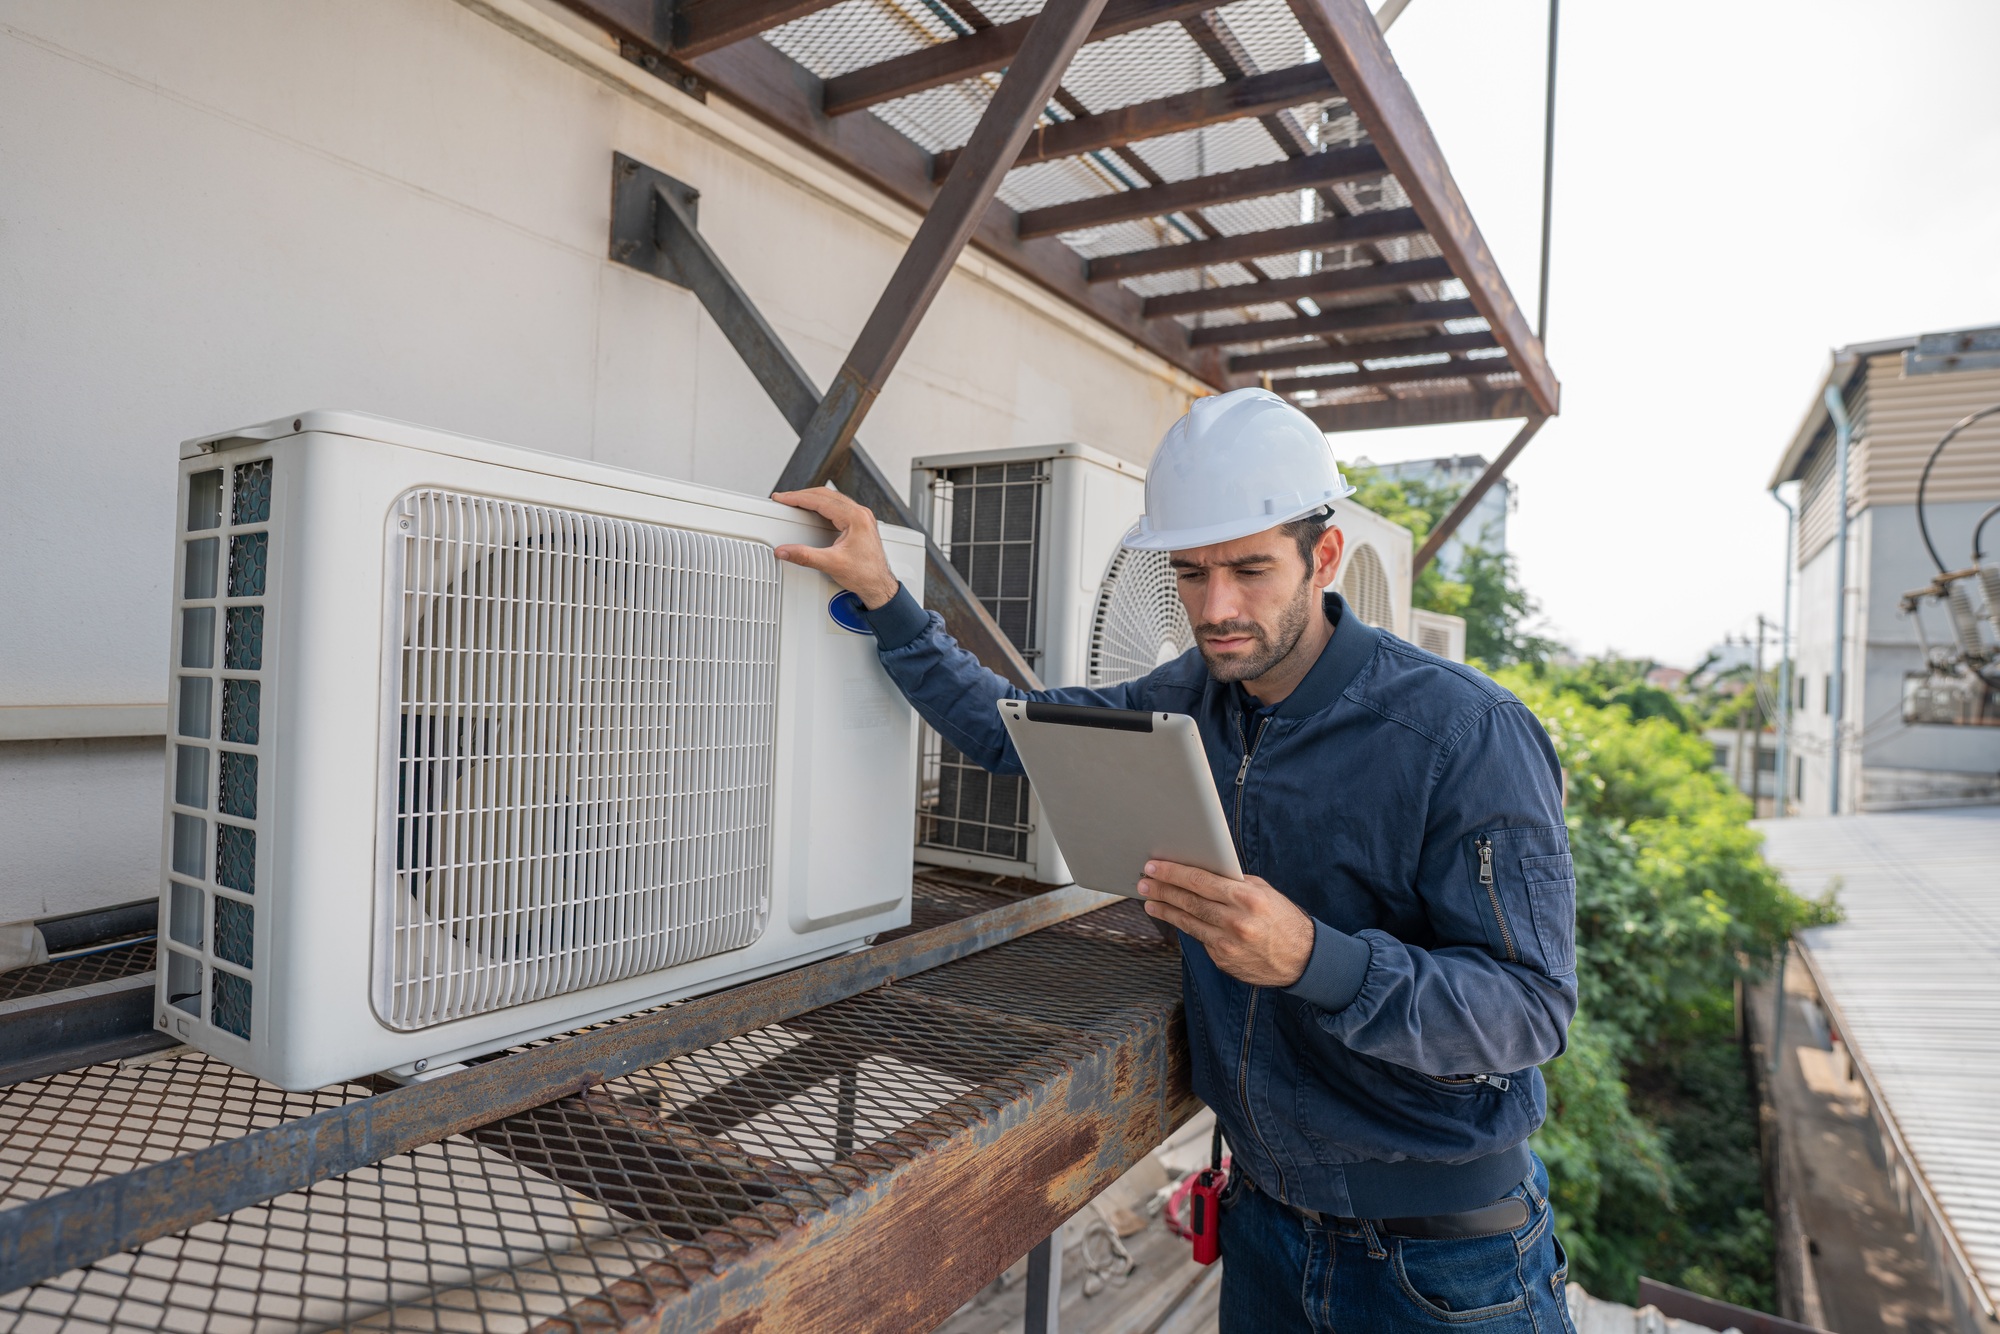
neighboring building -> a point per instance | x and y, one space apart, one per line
1900 406
1750 761
1667 678
1486 526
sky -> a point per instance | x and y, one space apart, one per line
1738 189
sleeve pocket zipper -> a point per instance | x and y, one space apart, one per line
1498 1083
1485 846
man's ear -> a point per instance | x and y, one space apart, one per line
1326 556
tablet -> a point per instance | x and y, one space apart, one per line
1119 788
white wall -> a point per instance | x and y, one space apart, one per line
218 211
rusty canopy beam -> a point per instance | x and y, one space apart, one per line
1300 173
1344 319
1421 410
1323 353
1327 282
1439 370
1350 42
701 26
885 1256
1474 494
981 52
76 1227
1325 234
1258 95
653 230
1056 33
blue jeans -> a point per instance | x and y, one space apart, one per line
1283 1273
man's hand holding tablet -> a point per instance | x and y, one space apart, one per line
1254 933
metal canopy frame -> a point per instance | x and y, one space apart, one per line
880 86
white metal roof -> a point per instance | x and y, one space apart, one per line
1914 974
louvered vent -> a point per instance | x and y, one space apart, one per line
585 725
1365 585
220 706
1139 622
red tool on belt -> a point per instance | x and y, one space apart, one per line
1194 1210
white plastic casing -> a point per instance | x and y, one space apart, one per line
840 824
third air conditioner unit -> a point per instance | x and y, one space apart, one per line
1035 533
475 744
1435 632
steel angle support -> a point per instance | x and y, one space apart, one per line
75 1227
653 230
1474 494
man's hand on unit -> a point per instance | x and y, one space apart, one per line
856 560
1254 933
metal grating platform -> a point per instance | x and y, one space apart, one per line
727 1185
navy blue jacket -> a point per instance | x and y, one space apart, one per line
1413 809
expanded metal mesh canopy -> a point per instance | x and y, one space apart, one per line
1248 188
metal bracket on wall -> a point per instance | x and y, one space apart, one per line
653 230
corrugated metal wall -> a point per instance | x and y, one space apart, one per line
1906 416
1897 422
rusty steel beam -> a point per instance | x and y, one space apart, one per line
1322 235
1475 493
1053 37
701 26
893 1253
1341 319
1422 410
1441 370
72 1228
653 229
1257 95
1224 187
1324 353
979 53
1350 42
1327 282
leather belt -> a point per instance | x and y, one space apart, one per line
1504 1215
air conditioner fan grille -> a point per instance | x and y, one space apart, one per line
581 752
1139 622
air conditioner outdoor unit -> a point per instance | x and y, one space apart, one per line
1035 533
476 744
1435 632
1374 574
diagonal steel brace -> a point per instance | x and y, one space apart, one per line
653 230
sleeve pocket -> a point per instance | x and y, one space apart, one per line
1551 885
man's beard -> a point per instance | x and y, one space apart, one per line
1267 649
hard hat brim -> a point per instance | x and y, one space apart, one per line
1139 538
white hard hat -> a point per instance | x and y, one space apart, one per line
1236 464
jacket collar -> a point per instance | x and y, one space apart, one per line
1352 645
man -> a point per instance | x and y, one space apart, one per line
1367 1008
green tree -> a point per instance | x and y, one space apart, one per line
1651 1137
1484 589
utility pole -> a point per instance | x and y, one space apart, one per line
1757 738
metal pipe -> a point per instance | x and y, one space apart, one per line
1785 664
1042 1315
1548 180
1778 1010
1843 434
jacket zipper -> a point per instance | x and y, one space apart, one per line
1498 1083
1485 846
1250 1011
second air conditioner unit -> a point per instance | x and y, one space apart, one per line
1374 574
1035 533
474 744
